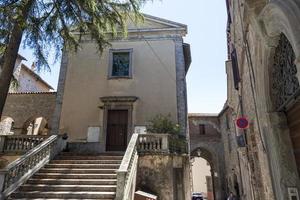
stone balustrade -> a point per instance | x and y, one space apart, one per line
144 144
126 174
19 171
155 143
19 143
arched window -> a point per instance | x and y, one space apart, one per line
284 83
36 126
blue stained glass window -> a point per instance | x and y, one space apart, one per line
120 64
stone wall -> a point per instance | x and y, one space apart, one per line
210 145
266 166
22 107
164 176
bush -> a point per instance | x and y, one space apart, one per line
163 124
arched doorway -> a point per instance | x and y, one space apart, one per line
6 126
203 173
35 126
285 93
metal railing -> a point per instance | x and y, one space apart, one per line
126 174
19 171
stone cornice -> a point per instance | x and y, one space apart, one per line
113 99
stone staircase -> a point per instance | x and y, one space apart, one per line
71 176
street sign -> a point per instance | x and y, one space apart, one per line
242 123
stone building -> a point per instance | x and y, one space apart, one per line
27 79
29 105
262 161
206 142
103 100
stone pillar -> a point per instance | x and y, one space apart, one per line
181 86
281 158
60 93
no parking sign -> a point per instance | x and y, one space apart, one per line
242 123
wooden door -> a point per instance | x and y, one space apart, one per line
293 117
117 126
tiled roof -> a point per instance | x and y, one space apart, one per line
16 93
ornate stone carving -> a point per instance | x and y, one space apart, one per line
284 81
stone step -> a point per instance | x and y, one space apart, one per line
71 188
86 162
62 157
77 171
111 153
50 199
73 181
84 166
64 195
74 176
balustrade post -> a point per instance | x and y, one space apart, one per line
121 176
165 143
2 143
2 181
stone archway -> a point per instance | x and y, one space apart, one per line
35 126
280 32
205 136
212 159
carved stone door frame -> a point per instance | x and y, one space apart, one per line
118 103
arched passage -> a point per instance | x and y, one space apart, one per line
36 126
205 138
203 173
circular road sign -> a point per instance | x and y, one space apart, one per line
242 123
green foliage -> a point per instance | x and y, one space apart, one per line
163 124
58 24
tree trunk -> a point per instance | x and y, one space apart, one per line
11 55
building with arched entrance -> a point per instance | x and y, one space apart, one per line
28 113
263 86
206 143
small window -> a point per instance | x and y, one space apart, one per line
227 122
202 129
120 64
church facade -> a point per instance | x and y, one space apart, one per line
103 99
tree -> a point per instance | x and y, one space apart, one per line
48 24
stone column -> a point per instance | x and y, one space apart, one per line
60 93
181 86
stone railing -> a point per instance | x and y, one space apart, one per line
155 143
19 171
19 143
126 174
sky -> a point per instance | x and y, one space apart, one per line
206 21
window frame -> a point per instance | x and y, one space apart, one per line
110 66
202 129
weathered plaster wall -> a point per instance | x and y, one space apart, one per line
28 83
23 106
